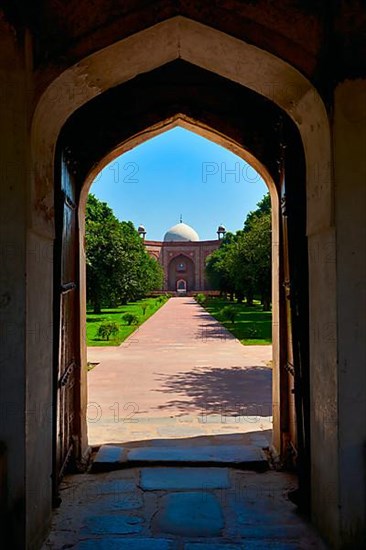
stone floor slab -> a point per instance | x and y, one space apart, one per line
248 545
114 487
107 457
272 532
253 513
117 525
246 456
157 479
125 543
194 514
123 501
213 546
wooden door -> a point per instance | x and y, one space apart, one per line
67 361
295 341
287 366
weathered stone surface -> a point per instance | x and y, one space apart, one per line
272 532
253 513
107 457
115 487
128 543
248 456
247 545
194 514
119 525
213 546
155 479
126 501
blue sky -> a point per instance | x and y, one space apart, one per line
179 172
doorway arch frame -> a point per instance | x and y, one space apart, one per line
211 134
270 77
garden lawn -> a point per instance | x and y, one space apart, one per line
93 321
252 326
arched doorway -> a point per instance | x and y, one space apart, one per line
181 274
181 286
304 105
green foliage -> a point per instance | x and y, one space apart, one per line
162 298
251 332
252 326
106 330
242 264
218 265
115 315
144 307
131 318
200 298
118 267
229 313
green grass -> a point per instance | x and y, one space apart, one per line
252 326
93 321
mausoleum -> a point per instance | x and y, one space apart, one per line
183 257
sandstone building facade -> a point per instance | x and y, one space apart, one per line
183 258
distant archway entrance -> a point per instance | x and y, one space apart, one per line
181 274
181 285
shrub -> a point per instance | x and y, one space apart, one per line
201 298
251 332
229 313
106 330
144 308
130 318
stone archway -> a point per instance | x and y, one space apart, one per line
181 285
239 62
278 398
181 268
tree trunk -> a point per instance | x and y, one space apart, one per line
239 297
266 303
96 308
250 298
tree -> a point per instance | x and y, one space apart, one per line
218 265
130 318
229 313
242 264
264 207
201 298
254 253
118 267
102 244
106 330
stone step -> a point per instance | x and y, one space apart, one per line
247 457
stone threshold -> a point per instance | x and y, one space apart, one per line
245 457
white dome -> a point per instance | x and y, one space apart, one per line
181 232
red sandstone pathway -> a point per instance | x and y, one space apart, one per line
181 374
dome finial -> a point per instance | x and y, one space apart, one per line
181 219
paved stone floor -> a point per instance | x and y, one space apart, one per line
181 387
182 374
167 508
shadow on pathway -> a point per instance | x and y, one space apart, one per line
239 391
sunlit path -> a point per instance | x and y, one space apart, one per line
182 374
